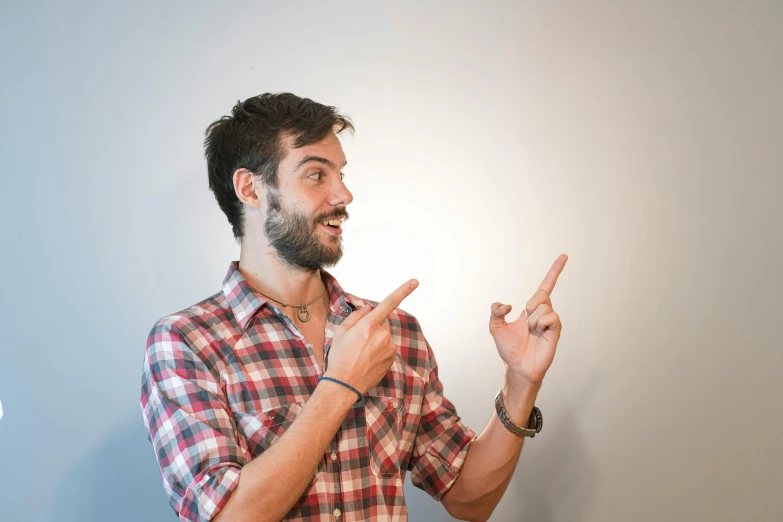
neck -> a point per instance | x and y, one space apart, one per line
264 271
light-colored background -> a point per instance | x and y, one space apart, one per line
643 140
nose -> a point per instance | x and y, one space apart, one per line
340 194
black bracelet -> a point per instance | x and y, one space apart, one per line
344 384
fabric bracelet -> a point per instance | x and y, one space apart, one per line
344 384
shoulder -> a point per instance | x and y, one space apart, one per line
201 329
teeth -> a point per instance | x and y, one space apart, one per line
334 222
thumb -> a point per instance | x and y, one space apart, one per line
356 316
498 316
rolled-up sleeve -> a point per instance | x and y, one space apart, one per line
186 415
442 440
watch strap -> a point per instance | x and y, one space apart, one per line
535 420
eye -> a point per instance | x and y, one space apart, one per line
316 174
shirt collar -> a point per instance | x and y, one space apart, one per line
245 301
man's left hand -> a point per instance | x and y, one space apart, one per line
527 345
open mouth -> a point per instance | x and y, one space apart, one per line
333 226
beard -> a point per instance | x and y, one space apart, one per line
294 237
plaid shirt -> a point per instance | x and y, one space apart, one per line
223 379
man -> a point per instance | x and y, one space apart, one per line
284 397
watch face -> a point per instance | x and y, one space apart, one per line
539 419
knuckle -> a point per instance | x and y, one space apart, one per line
376 336
365 330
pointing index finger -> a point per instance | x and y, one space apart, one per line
548 284
388 305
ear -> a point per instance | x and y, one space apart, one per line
247 189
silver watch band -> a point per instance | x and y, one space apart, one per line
535 419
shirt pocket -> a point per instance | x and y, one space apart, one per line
384 416
262 429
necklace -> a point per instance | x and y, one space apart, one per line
304 313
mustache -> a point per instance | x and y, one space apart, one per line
338 215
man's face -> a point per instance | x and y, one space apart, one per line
311 190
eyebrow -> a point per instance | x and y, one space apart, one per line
318 159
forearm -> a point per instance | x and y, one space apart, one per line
492 457
272 482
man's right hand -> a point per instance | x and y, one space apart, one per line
362 351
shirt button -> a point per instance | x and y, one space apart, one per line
337 513
395 404
334 456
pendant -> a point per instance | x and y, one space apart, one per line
304 314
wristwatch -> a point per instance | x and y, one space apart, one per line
534 423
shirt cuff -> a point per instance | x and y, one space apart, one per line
440 467
209 492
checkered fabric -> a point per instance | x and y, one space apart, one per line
223 380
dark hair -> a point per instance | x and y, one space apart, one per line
252 138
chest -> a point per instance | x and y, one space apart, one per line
315 336
265 395
271 376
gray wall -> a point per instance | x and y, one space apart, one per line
644 140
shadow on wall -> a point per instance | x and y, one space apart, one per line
117 482
555 483
556 477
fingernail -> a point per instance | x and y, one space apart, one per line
414 284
